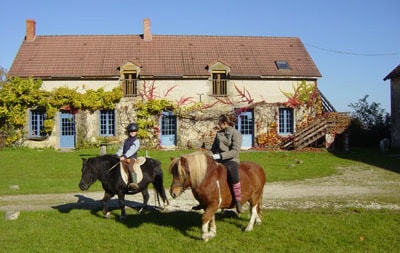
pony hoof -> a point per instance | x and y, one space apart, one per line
207 236
107 215
248 229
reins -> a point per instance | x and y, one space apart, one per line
115 165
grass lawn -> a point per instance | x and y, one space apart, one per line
281 231
289 230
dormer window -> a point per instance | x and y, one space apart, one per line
282 65
129 85
219 83
129 76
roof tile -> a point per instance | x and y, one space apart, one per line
99 56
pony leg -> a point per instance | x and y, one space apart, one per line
213 227
104 201
146 196
209 228
259 214
253 218
121 202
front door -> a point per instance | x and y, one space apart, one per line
168 129
245 126
67 130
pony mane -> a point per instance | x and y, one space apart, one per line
172 166
197 165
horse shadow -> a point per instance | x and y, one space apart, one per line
86 203
180 220
186 222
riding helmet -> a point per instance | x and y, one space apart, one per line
132 127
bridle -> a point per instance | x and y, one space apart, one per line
182 185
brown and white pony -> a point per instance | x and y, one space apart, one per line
209 183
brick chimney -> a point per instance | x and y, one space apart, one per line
146 30
30 30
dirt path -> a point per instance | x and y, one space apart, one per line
370 187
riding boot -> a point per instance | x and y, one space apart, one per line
133 184
237 191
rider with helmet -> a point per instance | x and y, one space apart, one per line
128 153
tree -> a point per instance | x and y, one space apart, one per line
3 76
369 123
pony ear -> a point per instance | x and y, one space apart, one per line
171 158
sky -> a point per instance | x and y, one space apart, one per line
354 43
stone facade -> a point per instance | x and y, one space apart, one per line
195 128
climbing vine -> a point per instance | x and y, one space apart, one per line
304 96
20 94
150 107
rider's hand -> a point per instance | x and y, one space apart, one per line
216 156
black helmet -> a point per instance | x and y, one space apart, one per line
132 127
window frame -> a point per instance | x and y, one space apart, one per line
104 118
36 123
282 65
219 83
130 84
285 121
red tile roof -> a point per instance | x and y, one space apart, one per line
99 56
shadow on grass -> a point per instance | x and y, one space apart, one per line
183 221
388 161
86 203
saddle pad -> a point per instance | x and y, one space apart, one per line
136 167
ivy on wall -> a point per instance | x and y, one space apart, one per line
20 94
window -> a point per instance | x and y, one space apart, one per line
107 123
282 65
285 120
36 123
130 85
168 129
219 82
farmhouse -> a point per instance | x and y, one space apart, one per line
394 77
175 87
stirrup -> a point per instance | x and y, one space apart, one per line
133 186
196 208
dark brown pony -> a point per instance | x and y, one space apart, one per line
209 183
